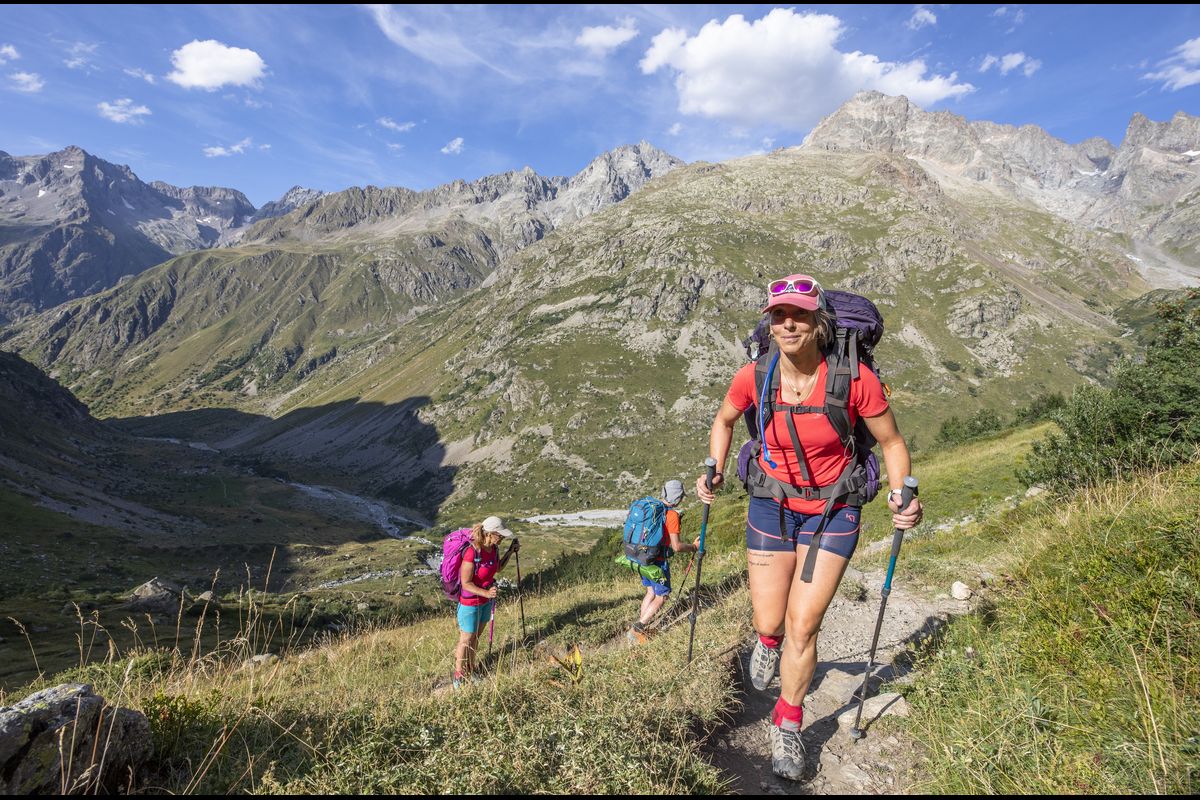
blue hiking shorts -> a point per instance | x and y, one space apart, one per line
471 619
660 589
762 528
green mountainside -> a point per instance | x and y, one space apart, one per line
588 365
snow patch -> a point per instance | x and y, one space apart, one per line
41 192
126 202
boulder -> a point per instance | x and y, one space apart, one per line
960 591
155 596
67 739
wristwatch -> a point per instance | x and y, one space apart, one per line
899 492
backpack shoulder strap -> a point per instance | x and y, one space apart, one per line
841 369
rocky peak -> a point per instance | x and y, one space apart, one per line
293 198
610 178
1156 164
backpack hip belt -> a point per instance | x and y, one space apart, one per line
848 488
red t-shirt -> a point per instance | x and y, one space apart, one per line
485 573
823 450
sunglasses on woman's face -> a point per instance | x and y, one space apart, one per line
797 287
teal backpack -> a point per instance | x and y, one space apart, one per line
644 539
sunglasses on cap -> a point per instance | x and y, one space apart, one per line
801 286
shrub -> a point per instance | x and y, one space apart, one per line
1150 416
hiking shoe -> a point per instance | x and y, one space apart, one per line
787 752
457 684
764 663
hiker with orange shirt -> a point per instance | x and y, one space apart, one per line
656 574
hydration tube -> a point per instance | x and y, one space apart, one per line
762 434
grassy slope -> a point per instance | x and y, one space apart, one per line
1082 674
1096 616
365 712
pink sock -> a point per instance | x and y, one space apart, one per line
786 715
770 642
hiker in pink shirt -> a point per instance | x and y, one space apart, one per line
480 563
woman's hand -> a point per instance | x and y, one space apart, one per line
490 592
906 518
702 491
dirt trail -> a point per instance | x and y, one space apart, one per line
836 764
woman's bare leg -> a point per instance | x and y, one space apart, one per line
806 607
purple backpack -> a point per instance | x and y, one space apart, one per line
453 547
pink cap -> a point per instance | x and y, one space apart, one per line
801 291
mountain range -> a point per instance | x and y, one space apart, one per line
564 342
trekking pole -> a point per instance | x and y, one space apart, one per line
520 597
710 465
906 495
491 627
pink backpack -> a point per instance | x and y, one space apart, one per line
453 547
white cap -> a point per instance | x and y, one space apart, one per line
496 525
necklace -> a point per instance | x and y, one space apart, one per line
808 384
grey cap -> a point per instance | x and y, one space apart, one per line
673 492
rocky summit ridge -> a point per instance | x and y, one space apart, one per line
1147 188
75 224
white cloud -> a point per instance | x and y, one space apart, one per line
1010 62
81 54
123 110
264 147
675 129
767 143
1182 69
8 53
454 147
395 147
602 39
392 125
210 65
1189 51
1018 16
140 73
26 81
783 69
240 147
443 48
920 18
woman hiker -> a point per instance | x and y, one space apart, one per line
788 610
480 563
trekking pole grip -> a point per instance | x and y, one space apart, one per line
710 466
908 491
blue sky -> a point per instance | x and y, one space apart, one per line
260 98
